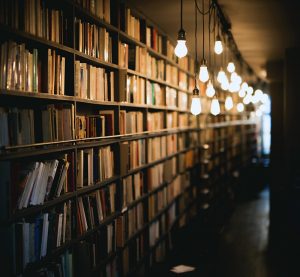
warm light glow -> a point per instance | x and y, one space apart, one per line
181 49
233 76
215 107
221 76
203 74
258 113
210 91
230 67
218 46
240 107
228 103
244 86
264 98
225 84
250 90
247 99
242 93
196 105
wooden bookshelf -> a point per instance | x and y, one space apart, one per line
159 168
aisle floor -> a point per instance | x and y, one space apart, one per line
238 250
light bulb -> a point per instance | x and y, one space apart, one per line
210 91
196 102
215 107
231 87
233 76
230 67
221 76
218 46
264 98
225 84
249 90
203 74
244 86
240 107
228 103
247 99
242 93
181 49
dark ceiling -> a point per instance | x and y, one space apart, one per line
262 29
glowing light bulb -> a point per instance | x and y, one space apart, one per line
225 84
218 46
242 93
240 107
249 90
230 67
264 98
215 107
244 86
221 76
247 99
203 74
231 87
228 103
196 102
210 91
233 76
181 49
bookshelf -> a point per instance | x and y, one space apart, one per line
100 157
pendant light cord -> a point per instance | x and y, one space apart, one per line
181 14
196 60
203 30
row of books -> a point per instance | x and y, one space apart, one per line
187 139
94 207
44 21
183 120
94 165
94 83
155 121
155 94
131 122
132 24
28 126
133 253
132 188
93 40
37 237
100 8
172 74
156 202
134 91
182 79
89 126
129 222
132 155
154 40
19 67
36 17
155 68
38 182
172 120
171 97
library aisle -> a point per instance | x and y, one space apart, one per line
238 249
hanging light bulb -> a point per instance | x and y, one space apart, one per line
233 76
218 45
203 74
196 102
258 113
225 84
215 107
181 49
242 93
221 76
228 103
210 91
247 99
230 67
244 86
249 90
240 107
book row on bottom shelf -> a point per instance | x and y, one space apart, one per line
59 200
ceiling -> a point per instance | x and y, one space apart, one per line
262 29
